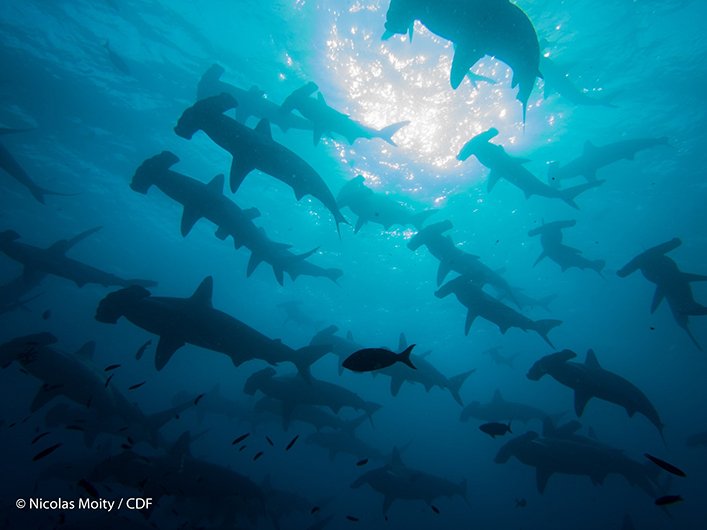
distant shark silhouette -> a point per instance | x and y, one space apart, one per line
254 149
503 165
38 262
589 380
557 80
496 28
670 282
553 248
377 208
193 320
327 120
596 157
251 102
499 409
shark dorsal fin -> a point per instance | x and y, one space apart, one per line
589 146
86 351
497 396
181 446
216 184
204 293
263 128
402 342
320 98
592 360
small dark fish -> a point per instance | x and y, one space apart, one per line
494 429
240 438
198 398
242 448
314 510
127 447
434 508
362 462
47 314
39 437
386 517
111 367
668 499
652 328
670 468
371 359
136 385
46 452
270 441
131 441
521 503
292 442
141 351
74 427
352 518
108 380
257 455
89 488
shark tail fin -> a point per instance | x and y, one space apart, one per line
387 133
570 194
333 274
307 356
543 327
350 426
404 357
419 218
455 385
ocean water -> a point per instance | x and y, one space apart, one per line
96 112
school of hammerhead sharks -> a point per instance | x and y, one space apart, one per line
208 495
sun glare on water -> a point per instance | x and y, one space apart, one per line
382 82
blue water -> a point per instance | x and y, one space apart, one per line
92 125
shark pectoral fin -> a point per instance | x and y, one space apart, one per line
387 502
461 64
251 213
395 384
442 271
580 401
167 346
542 475
240 167
359 224
493 179
470 317
317 134
222 233
688 277
43 396
657 298
279 275
189 218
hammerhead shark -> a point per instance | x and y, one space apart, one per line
377 208
565 256
496 28
596 157
254 149
481 304
670 282
556 80
503 165
395 481
251 102
194 320
589 380
208 201
327 120
38 262
452 258
500 409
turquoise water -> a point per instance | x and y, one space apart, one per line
94 121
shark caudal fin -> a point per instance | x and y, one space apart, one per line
455 383
570 194
543 327
387 133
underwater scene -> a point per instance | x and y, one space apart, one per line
337 264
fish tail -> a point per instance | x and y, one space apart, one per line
404 357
